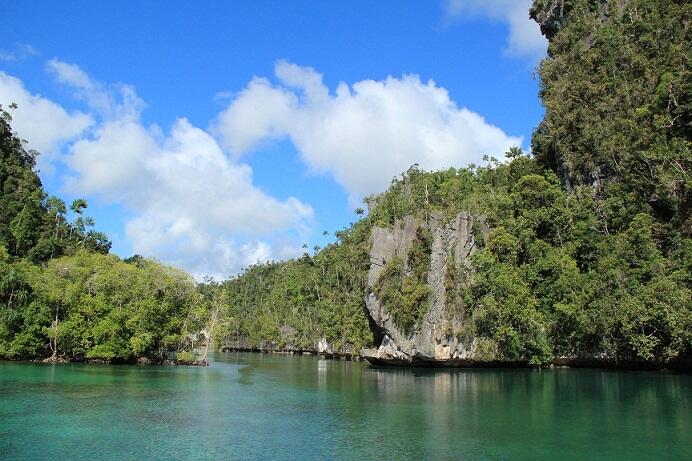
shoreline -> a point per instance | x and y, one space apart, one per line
296 351
563 362
603 364
140 361
380 363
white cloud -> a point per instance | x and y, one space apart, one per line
22 51
363 134
189 204
118 101
193 207
45 124
525 39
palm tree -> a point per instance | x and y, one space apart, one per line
513 152
100 241
57 208
86 222
77 207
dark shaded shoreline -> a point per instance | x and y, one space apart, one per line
294 351
603 364
681 366
143 361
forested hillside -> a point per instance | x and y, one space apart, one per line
63 296
32 225
585 251
579 251
617 89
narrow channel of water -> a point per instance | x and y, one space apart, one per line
257 406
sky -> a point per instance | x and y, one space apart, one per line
214 135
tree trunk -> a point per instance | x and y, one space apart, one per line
55 332
212 324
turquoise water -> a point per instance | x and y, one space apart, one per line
256 406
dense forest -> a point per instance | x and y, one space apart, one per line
62 296
585 247
588 249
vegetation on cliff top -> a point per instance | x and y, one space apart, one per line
296 303
617 88
589 250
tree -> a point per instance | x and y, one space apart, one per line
57 208
513 152
77 208
618 105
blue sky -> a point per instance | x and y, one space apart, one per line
211 135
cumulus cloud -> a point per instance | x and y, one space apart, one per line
525 39
45 124
188 203
362 134
192 206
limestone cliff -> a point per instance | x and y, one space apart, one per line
550 15
437 337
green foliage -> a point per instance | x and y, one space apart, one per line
32 225
185 357
506 310
617 88
93 306
561 273
86 305
296 303
403 286
588 255
401 295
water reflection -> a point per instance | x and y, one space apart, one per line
258 406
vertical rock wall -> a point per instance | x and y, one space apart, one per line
434 339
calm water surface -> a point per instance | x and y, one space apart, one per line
255 406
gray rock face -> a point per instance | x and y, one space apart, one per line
550 15
433 339
385 245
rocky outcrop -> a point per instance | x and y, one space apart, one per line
55 359
435 339
550 15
